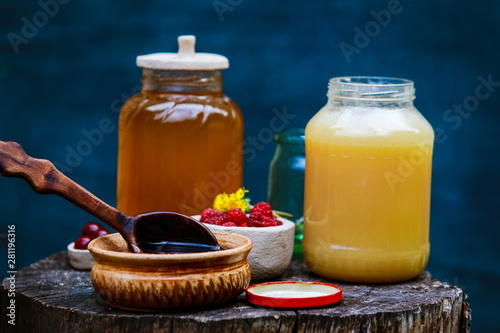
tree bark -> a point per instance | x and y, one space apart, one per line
50 296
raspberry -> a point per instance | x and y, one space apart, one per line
276 222
229 224
255 216
262 207
257 219
212 216
237 216
209 213
261 215
218 220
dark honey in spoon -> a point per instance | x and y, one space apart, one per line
157 232
177 236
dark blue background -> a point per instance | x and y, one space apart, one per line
77 66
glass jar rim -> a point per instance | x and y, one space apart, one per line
290 135
182 80
371 88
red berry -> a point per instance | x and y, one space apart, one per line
90 228
257 219
261 215
262 207
210 213
255 216
272 221
218 220
82 242
237 216
99 233
229 224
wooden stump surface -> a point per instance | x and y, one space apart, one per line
53 297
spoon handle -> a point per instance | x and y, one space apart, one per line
44 177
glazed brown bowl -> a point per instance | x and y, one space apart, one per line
159 282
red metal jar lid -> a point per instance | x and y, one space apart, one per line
293 294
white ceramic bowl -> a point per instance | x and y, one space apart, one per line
272 247
80 259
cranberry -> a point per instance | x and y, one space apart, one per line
99 233
82 242
90 228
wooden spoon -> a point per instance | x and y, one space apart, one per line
156 232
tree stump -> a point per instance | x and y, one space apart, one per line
52 297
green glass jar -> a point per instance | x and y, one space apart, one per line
286 180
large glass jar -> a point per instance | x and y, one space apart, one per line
368 183
285 191
180 138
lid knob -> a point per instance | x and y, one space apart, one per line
186 45
185 59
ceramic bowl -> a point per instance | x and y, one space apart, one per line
272 247
80 259
159 282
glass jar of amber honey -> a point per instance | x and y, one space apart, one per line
180 138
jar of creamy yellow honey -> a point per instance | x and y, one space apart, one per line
368 183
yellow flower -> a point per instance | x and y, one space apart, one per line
224 202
